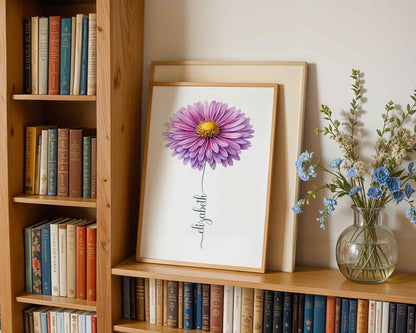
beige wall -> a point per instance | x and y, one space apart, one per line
333 36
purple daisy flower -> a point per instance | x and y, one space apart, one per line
212 133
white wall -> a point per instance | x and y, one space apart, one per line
377 37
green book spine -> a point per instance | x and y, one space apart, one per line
86 167
28 259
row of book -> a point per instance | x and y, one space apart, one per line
60 55
61 161
44 319
217 309
60 258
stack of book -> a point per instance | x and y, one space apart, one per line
61 161
39 319
60 55
217 309
60 258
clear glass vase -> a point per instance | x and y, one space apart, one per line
367 250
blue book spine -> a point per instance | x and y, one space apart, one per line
319 314
65 70
86 167
352 316
411 319
199 306
392 317
277 312
345 307
43 322
84 58
46 260
188 306
268 311
52 160
60 321
301 313
308 322
287 312
401 318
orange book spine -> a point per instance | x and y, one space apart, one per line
81 263
91 263
54 52
362 316
330 315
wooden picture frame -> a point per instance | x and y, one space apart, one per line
292 78
161 230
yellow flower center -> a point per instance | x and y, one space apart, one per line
207 129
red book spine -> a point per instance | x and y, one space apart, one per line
54 52
48 321
91 262
217 298
81 263
94 324
330 315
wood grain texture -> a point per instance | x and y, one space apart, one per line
308 280
55 201
130 326
57 98
65 302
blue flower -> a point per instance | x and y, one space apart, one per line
393 184
413 220
409 191
375 193
336 163
410 168
297 207
355 189
397 196
352 172
330 203
410 212
301 163
311 171
381 175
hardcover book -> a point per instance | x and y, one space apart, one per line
172 304
371 316
94 168
78 51
258 311
352 315
188 305
54 236
319 314
385 319
199 306
410 319
227 326
62 258
301 313
92 54
278 312
125 287
81 259
165 303
147 299
46 259
43 177
217 297
362 316
54 54
36 261
345 305
91 261
152 300
392 317
401 318
86 167
140 313
71 258
379 317
159 302
84 57
43 55
330 315
287 312
267 312
52 160
63 146
132 298
73 46
66 44
35 54
295 312
27 61
237 310
206 312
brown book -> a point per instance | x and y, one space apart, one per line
205 307
146 300
93 168
63 152
258 310
172 304
362 316
338 304
330 315
54 52
247 307
217 299
91 261
140 316
159 302
180 305
165 303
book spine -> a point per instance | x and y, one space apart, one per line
132 298
180 305
287 312
371 316
44 322
25 321
385 319
277 311
140 313
411 319
92 54
46 260
75 163
86 167
60 322
295 312
165 303
27 53
43 55
71 260
30 160
227 324
337 327
352 316
36 322
36 262
268 311
53 322
88 328
125 287
94 324
74 322
94 168
54 53
258 311
77 56
159 302
67 322
147 300
216 308
84 57
392 317
301 313
237 309
65 70
35 54
401 318
91 263
188 305
319 314
345 306
81 323
73 45
62 260
198 306
247 310
172 304
81 260
152 300
54 259
52 160
379 316
194 306
362 316
43 177
28 259
37 164
330 315
62 180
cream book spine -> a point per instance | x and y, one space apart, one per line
43 177
54 259
227 318
67 321
385 317
237 310
62 260
71 263
73 38
78 49
92 54
43 55
37 164
371 316
36 321
379 317
258 311
152 300
35 54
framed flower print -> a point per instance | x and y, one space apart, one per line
206 181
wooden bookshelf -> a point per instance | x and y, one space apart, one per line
131 326
55 201
57 98
63 302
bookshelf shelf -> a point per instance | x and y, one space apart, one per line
55 201
308 280
57 301
57 98
131 326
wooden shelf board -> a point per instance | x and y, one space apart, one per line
64 302
307 280
55 201
62 98
131 326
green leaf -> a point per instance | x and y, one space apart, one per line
379 132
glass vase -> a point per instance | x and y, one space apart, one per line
367 250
